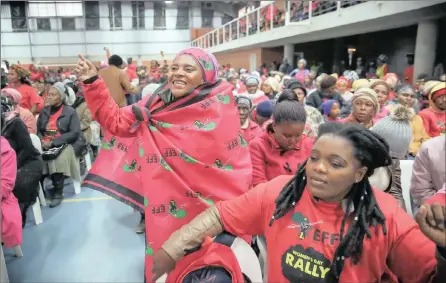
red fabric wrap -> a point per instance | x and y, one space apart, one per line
186 155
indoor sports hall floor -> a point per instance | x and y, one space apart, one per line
88 238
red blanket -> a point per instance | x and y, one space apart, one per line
179 159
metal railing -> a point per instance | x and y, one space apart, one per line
269 17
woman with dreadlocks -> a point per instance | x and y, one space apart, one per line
326 223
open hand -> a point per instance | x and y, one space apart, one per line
85 69
432 220
162 263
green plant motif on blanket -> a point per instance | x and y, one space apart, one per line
224 99
207 65
165 165
130 168
109 145
176 212
220 165
187 158
153 128
204 126
243 142
164 125
149 251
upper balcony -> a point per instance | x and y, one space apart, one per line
306 21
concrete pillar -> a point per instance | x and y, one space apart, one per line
288 53
425 48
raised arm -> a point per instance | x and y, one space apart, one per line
103 108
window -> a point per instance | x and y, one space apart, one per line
207 15
160 15
138 15
68 24
114 15
92 15
18 16
183 16
43 24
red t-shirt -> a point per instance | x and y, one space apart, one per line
268 160
51 130
29 96
301 244
433 121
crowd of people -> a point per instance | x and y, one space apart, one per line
274 150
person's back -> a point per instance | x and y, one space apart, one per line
117 81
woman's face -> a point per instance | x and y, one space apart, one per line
243 112
363 110
382 93
13 77
301 65
406 98
233 81
53 98
335 110
300 95
307 80
184 76
332 168
252 88
266 88
288 134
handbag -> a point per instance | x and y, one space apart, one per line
53 153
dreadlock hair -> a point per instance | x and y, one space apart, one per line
372 152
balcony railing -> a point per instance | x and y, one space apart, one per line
269 17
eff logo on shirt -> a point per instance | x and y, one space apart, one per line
304 265
302 224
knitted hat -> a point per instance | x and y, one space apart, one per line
66 93
396 130
327 106
265 109
368 94
243 100
252 80
360 84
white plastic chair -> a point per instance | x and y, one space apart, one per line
406 177
4 273
38 218
247 259
263 256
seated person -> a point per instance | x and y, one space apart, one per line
250 129
58 128
11 220
23 113
284 146
429 172
29 161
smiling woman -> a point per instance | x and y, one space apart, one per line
326 223
156 146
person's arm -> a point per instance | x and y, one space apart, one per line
34 101
240 216
395 186
421 187
105 110
126 85
426 121
72 135
412 256
107 53
258 163
9 169
86 119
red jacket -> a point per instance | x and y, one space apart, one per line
131 73
296 255
269 161
252 131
